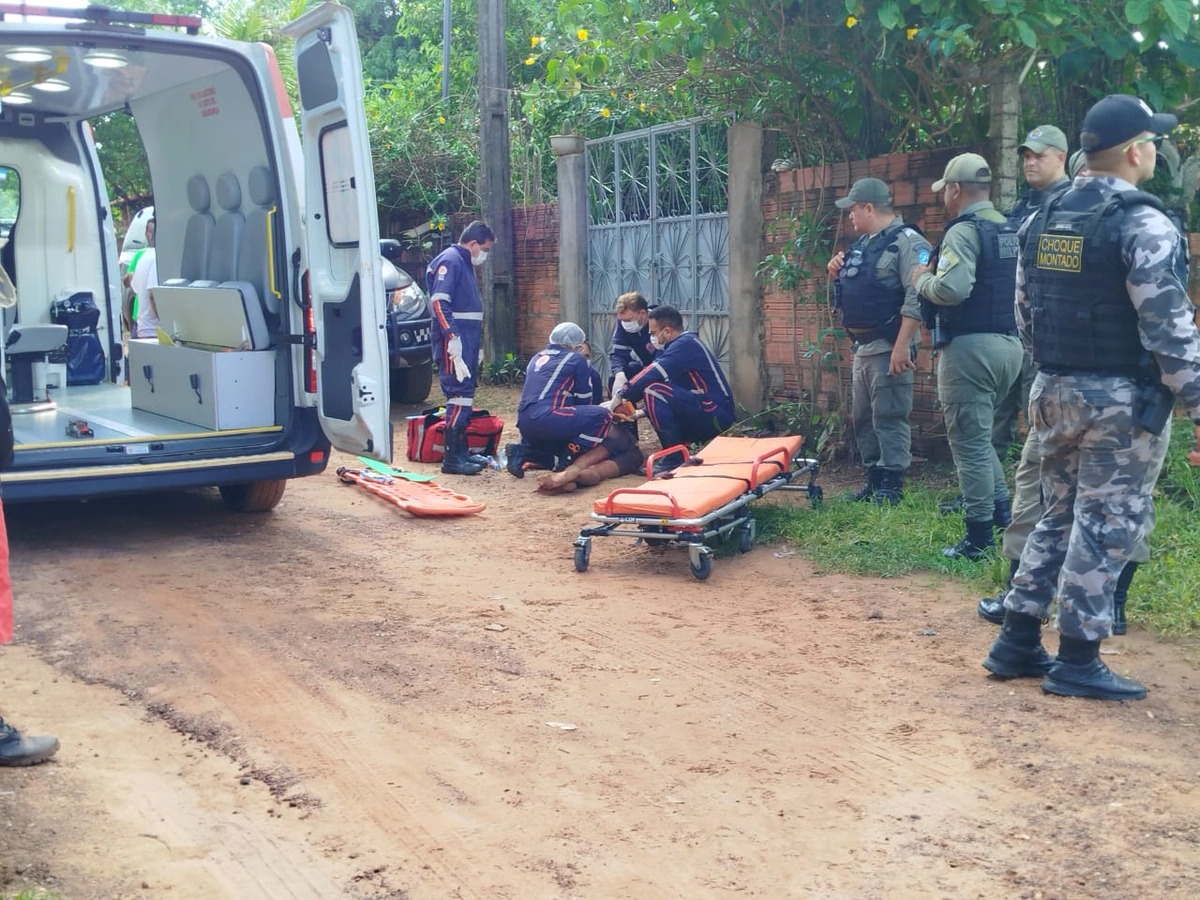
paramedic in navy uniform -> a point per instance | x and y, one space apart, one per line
458 337
630 349
556 412
687 396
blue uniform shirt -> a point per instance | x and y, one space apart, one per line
688 365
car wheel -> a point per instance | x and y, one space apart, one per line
257 496
412 385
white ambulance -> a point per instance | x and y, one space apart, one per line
270 342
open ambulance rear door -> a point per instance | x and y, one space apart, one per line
345 282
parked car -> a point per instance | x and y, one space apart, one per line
408 321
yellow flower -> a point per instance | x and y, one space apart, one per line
441 226
641 107
911 31
605 112
534 41
530 60
851 21
581 34
441 120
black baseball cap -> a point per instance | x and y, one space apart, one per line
1119 117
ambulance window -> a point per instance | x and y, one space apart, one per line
340 186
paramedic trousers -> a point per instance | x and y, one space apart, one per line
578 428
882 408
975 371
1098 471
679 417
460 395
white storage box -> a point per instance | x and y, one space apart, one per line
213 389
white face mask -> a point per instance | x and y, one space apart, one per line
480 259
655 343
631 325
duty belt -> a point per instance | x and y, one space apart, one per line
866 337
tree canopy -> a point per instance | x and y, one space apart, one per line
838 79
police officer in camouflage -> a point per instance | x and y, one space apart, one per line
1100 302
968 289
883 318
1044 165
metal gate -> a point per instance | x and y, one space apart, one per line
658 223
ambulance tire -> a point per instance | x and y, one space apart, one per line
256 496
412 385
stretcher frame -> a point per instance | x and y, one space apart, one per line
695 533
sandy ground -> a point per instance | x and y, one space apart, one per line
338 700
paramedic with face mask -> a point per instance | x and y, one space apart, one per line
630 349
457 338
556 416
687 397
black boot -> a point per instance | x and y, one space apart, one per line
515 454
456 461
1017 651
975 544
1002 514
1121 595
992 608
891 488
867 491
1078 672
668 463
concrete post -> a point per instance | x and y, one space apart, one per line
572 229
747 359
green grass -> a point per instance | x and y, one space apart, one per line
863 539
32 894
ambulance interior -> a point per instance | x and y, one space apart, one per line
202 118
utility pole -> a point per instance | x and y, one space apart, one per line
499 302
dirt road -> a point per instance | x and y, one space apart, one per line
336 700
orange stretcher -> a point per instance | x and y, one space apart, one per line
708 496
416 498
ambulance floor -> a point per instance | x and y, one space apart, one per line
107 411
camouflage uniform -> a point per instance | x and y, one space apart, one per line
1098 467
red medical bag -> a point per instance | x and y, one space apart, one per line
427 435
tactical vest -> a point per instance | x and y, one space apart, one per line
866 303
989 306
1083 320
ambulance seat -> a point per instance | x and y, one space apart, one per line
255 263
227 238
198 235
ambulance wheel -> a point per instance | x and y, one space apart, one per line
816 494
412 384
745 537
583 556
257 496
700 564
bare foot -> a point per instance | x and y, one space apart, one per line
552 481
569 487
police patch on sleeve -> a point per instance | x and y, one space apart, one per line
1060 253
947 260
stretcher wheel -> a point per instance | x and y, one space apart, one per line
745 537
583 555
700 562
816 494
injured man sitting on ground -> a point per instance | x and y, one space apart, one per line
561 428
